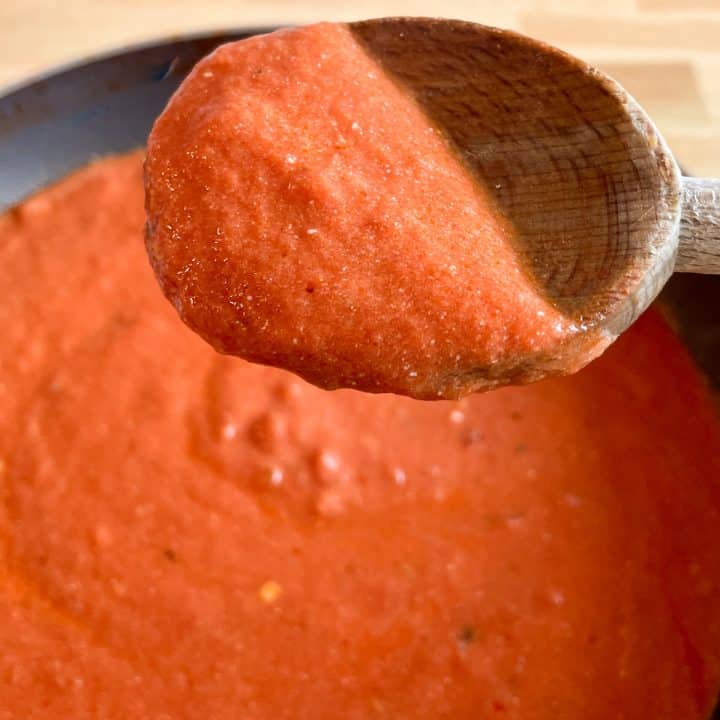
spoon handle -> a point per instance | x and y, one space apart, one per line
699 250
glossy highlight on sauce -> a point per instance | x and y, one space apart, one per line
304 213
185 535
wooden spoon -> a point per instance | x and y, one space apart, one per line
602 213
597 212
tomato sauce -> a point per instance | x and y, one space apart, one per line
184 535
305 213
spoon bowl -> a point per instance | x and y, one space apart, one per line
504 212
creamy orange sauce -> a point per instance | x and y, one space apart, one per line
304 213
185 535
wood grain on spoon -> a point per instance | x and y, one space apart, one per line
428 207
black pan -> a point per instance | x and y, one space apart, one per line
56 123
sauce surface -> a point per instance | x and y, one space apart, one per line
305 213
184 535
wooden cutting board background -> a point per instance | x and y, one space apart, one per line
665 52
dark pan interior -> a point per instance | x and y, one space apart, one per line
54 124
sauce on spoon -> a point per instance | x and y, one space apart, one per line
305 212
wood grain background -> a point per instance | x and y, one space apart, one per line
666 52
